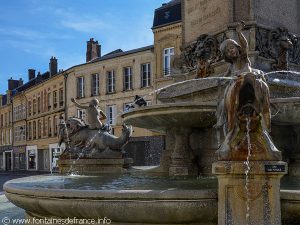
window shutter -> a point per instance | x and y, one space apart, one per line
114 114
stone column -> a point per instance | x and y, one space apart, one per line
263 196
294 168
180 158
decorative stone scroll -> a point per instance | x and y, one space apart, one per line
278 44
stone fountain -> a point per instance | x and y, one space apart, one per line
247 164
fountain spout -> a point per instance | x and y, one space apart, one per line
248 97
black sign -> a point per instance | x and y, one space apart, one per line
274 168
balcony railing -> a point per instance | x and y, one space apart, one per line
167 71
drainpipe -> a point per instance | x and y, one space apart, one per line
65 100
12 132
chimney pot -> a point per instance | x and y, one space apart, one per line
93 50
31 74
53 66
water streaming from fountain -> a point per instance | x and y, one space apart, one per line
247 171
71 171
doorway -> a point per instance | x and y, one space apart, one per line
8 160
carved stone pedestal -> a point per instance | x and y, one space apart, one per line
180 158
263 195
91 166
294 168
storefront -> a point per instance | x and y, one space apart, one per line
55 152
32 157
19 153
7 158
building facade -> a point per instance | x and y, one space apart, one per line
45 108
115 79
30 113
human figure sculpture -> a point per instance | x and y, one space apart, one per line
245 109
236 53
94 113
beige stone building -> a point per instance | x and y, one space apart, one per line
167 30
6 154
19 130
115 79
45 106
7 158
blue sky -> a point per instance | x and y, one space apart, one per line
31 31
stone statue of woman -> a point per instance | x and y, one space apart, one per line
236 54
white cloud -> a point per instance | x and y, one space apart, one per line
84 25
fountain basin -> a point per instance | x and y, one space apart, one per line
176 201
162 117
135 206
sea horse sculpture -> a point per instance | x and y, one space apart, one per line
86 142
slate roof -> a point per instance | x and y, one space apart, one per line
167 14
119 52
4 99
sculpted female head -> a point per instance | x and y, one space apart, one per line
230 50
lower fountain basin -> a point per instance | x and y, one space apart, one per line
70 197
132 199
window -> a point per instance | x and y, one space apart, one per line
29 108
80 87
19 133
54 99
34 130
23 132
39 129
39 104
16 134
23 111
81 114
49 127
110 81
49 100
7 136
168 52
95 84
61 97
45 127
148 103
34 106
145 75
55 124
127 78
29 131
111 114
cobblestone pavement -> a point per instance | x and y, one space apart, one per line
7 209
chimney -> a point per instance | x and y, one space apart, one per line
20 82
31 74
93 50
13 84
53 66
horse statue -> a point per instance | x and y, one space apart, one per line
85 142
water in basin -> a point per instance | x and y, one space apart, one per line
127 181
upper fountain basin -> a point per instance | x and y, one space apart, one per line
192 103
